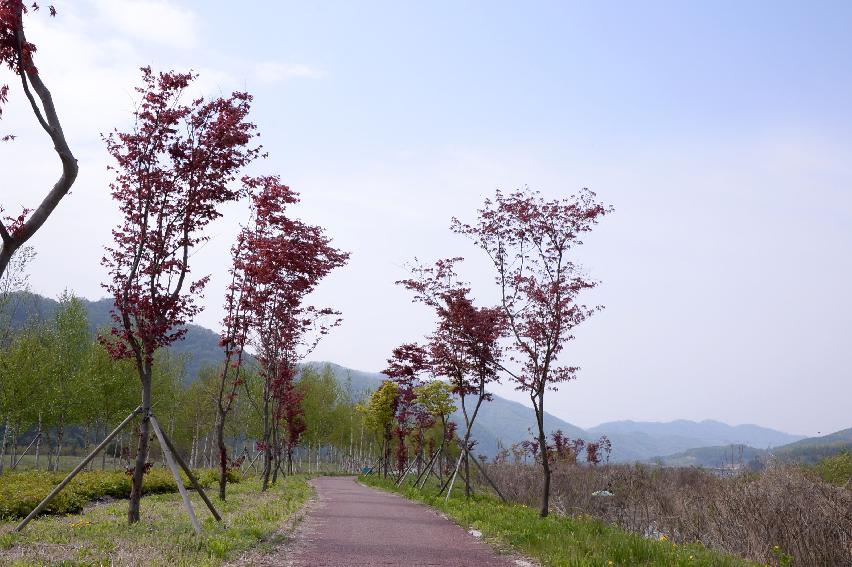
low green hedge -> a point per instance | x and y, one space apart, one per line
208 477
21 492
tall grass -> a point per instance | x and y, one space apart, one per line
783 513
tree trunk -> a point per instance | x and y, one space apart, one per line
87 437
142 448
117 455
387 454
38 442
3 444
14 455
466 468
267 449
205 453
194 446
275 452
223 451
545 457
49 451
104 452
468 427
60 433
49 120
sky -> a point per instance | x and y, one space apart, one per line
719 132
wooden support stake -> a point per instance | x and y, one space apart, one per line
452 479
253 460
170 461
428 468
195 484
405 474
77 469
485 474
431 473
25 452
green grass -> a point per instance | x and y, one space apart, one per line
164 536
559 541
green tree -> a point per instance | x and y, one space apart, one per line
322 396
24 370
436 397
69 347
107 399
379 416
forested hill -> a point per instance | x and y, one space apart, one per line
501 421
708 429
641 440
808 450
200 345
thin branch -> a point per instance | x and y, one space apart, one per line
22 70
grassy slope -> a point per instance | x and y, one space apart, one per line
101 536
559 541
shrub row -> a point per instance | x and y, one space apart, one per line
21 492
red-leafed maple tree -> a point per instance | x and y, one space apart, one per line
16 53
285 260
529 240
291 414
235 336
173 170
465 347
407 363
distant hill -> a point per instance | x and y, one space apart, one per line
713 457
200 345
642 440
809 450
812 449
708 429
501 421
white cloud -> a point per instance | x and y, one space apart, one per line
156 21
272 72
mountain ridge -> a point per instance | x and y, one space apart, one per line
501 422
807 450
643 440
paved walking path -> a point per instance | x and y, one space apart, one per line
352 525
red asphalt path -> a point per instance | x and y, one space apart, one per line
352 525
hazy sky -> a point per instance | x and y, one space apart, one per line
720 131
